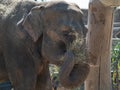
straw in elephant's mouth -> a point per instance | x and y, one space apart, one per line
79 49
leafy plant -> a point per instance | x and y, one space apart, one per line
115 64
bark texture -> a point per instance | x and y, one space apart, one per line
99 44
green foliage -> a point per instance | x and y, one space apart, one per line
54 70
115 64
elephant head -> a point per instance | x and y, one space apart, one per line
60 27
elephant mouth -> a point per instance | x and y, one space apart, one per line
79 49
75 68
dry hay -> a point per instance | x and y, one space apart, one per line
79 49
6 6
9 6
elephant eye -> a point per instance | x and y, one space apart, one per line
68 35
65 33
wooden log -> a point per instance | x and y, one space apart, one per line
111 2
92 80
99 36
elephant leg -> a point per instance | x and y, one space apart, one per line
20 66
43 79
22 80
3 71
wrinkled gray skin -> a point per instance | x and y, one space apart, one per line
32 35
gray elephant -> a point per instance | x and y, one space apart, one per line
32 35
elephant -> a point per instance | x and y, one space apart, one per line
34 35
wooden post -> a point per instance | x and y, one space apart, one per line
110 2
99 44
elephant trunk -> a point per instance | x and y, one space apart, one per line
75 68
71 74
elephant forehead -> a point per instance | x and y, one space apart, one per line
63 17
63 12
57 10
62 5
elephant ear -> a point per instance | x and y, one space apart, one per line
33 23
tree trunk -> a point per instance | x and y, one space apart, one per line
99 44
